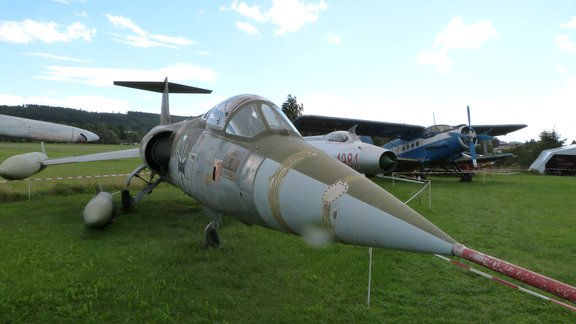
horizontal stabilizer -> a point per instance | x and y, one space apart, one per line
159 86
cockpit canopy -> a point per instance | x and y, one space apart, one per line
342 137
248 116
435 130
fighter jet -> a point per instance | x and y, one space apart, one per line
348 148
17 127
245 159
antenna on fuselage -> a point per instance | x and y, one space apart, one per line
353 129
434 117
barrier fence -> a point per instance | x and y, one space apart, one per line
30 181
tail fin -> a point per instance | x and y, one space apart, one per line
165 107
165 88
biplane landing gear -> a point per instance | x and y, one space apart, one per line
466 177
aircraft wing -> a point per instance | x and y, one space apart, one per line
317 125
17 127
497 130
113 155
483 159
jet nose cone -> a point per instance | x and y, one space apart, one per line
311 188
89 136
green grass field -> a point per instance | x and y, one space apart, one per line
149 266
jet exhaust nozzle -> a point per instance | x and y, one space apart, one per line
388 161
22 166
99 211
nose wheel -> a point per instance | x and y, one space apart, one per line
211 237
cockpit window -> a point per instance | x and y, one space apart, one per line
276 119
436 129
248 116
217 117
246 122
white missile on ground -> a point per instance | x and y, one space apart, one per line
99 211
22 166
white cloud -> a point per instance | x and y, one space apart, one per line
179 41
79 31
57 57
126 23
334 39
142 38
28 31
249 12
291 15
562 69
102 77
569 25
286 15
247 28
437 59
564 43
81 14
67 2
456 35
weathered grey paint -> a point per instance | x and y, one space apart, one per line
279 181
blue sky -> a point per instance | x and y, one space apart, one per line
398 61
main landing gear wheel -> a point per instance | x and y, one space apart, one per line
126 201
466 177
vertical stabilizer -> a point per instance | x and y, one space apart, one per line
165 110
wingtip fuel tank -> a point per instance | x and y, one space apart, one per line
22 166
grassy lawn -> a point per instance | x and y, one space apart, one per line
149 265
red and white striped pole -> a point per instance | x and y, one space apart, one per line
506 283
531 278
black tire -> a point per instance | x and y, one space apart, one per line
126 201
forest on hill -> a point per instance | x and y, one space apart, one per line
113 128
